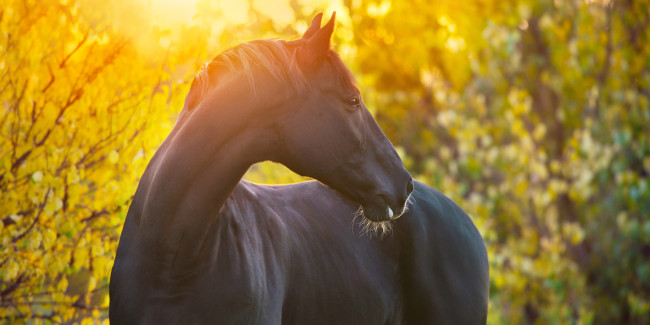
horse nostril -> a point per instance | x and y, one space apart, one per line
409 187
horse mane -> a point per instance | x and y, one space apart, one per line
278 57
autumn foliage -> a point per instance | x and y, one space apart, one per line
533 115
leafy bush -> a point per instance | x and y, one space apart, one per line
532 115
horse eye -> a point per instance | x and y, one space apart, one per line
354 102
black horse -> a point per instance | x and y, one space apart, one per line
200 245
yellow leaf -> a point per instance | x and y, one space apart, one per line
113 157
81 257
37 176
92 283
11 269
62 285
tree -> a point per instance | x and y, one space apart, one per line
81 116
534 116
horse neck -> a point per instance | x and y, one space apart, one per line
196 169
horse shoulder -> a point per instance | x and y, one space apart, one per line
444 262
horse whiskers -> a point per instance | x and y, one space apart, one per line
357 214
372 228
369 227
409 201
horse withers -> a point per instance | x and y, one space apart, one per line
200 245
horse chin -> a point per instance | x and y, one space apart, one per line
378 213
371 224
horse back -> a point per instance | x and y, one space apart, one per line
313 266
443 261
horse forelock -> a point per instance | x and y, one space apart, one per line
275 56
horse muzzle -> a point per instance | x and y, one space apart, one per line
386 206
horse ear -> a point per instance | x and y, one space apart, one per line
314 27
318 45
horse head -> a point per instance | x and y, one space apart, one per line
331 136
299 102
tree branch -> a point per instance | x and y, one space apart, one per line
67 57
37 216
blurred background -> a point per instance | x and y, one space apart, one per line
533 115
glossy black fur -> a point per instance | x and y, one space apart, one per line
292 254
201 246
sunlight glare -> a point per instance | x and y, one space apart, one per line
235 12
280 10
172 13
